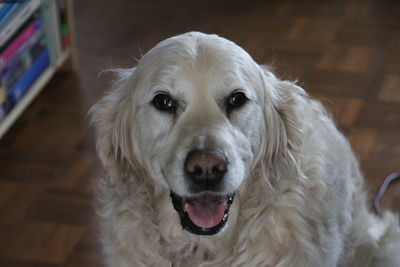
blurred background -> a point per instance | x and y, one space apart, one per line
345 53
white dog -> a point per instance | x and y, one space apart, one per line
213 161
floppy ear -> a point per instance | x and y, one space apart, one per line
112 118
282 111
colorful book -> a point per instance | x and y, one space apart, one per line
22 39
29 77
10 13
22 58
22 61
64 28
5 9
3 94
10 26
3 113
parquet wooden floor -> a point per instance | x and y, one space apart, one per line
346 53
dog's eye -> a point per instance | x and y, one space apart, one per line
236 100
164 102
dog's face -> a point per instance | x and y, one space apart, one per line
198 124
194 113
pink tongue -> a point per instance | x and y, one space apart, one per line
206 211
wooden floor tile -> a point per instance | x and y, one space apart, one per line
390 91
43 242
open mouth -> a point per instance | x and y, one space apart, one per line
203 214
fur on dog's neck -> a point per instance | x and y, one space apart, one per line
155 223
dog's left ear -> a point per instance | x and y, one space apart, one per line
282 111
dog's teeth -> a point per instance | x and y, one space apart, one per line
185 207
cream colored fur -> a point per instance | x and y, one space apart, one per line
299 200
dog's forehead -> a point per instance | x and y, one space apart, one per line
194 45
200 60
195 50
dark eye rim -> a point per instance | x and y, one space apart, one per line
169 104
233 102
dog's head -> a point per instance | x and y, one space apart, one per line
197 114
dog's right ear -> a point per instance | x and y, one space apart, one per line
112 118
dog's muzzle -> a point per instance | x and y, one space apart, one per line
205 211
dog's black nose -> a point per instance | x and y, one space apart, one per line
206 168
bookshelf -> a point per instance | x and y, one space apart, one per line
36 40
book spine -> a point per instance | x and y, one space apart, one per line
64 27
52 29
5 9
15 7
22 39
12 25
29 77
2 94
23 58
21 63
